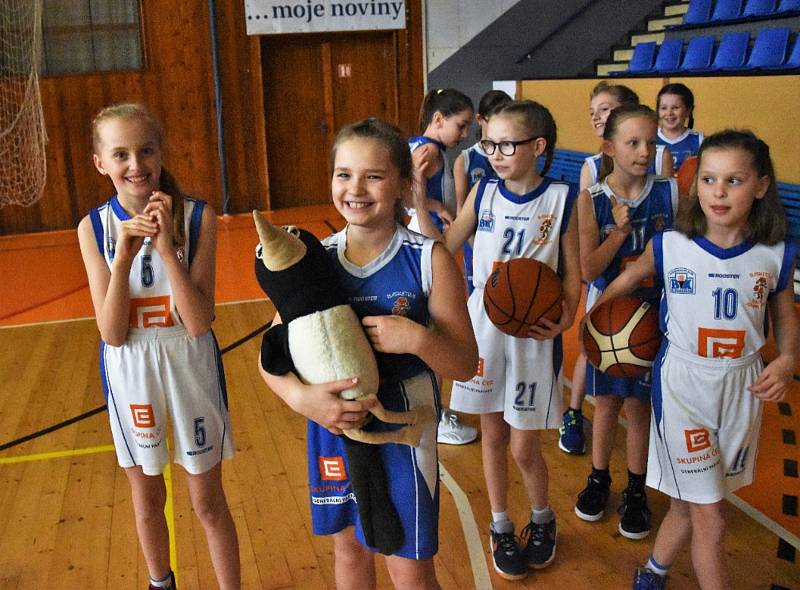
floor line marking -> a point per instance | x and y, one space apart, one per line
56 454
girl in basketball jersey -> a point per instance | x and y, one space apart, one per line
725 267
149 254
616 217
518 388
409 295
675 106
472 164
444 119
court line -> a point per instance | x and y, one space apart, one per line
56 454
477 560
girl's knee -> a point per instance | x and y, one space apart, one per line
411 573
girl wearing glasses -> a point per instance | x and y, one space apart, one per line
617 216
517 390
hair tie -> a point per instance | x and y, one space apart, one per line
439 90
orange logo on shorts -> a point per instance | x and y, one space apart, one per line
697 439
143 416
147 312
716 343
332 468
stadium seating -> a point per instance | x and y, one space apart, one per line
669 56
731 51
698 54
698 13
786 7
642 60
769 48
726 10
758 8
793 61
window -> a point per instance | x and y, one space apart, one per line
82 36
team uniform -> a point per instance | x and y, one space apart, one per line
440 187
652 211
656 166
521 377
476 166
397 282
161 372
688 144
705 425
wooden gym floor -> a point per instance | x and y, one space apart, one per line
65 514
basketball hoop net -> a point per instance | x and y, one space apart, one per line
23 165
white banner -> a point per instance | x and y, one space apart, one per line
266 17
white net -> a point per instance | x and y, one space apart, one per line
23 166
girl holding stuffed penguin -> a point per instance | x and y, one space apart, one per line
408 293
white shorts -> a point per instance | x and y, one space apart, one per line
704 427
163 374
520 377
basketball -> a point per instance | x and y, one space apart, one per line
519 292
622 337
686 174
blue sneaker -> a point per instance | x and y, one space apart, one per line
645 579
572 440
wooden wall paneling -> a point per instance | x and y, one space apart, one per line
411 83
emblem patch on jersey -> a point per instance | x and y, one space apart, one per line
697 439
332 468
544 229
477 174
681 281
180 252
760 293
143 415
111 247
486 221
718 343
401 306
659 221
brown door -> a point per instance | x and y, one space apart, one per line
313 86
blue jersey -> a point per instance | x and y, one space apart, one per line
652 211
688 144
441 186
397 282
476 165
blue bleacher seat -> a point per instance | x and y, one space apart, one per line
698 13
726 10
669 56
642 60
759 8
698 54
731 51
792 62
769 48
788 6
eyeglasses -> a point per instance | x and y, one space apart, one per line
507 148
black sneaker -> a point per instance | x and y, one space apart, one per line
634 522
540 544
506 558
591 504
644 579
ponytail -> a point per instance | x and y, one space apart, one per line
447 101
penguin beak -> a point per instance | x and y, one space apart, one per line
279 249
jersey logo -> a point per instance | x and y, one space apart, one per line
760 291
148 312
401 306
332 468
477 174
180 252
718 343
143 415
697 439
681 281
486 221
481 362
544 229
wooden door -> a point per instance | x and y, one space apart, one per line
313 86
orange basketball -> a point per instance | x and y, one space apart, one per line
519 292
686 174
622 337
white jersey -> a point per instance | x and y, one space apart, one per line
519 226
720 294
151 300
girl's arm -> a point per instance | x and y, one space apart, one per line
594 255
110 288
463 228
775 379
321 402
462 182
193 289
448 345
631 278
570 283
586 177
667 166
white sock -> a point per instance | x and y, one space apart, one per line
542 516
656 567
165 582
500 516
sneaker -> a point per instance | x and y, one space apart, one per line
506 558
591 504
645 579
571 438
452 432
172 585
634 522
540 544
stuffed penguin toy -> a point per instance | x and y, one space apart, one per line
321 340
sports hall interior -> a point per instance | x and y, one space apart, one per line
249 121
